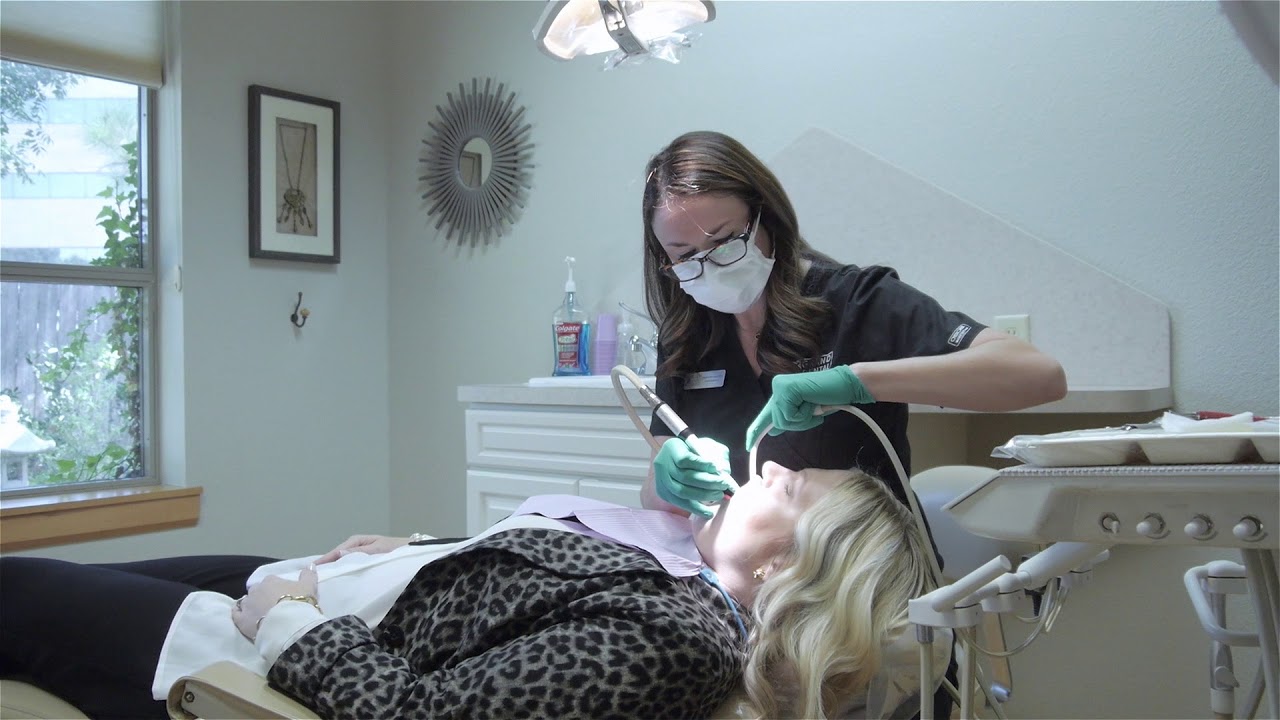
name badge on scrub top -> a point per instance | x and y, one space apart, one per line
704 380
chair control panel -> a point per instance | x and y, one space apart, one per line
1212 505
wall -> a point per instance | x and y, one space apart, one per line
1138 137
285 429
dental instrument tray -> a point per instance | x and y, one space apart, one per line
1171 440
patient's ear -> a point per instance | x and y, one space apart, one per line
781 560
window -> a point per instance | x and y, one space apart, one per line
77 282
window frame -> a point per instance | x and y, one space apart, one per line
146 279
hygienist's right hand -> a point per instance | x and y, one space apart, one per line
689 475
368 544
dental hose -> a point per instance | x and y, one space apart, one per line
660 408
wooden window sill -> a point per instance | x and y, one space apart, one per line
40 521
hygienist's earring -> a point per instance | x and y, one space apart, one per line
759 573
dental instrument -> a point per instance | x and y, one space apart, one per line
659 407
666 414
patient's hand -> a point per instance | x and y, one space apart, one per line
250 609
368 544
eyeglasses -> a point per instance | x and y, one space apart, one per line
725 252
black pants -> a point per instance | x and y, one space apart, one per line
92 634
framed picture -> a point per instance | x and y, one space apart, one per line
293 176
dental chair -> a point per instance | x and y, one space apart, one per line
21 701
222 690
226 691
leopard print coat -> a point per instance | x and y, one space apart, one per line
529 623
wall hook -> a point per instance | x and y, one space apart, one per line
300 314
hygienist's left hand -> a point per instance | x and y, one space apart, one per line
797 395
250 609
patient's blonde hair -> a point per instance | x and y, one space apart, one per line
839 595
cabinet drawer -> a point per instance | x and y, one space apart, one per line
619 492
575 443
492 495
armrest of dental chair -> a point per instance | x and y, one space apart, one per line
227 691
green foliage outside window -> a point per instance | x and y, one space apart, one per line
94 381
24 91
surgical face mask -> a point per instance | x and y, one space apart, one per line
732 288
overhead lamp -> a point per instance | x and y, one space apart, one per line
1258 25
632 28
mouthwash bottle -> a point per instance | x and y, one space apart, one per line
571 332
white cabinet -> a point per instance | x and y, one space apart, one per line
492 495
517 451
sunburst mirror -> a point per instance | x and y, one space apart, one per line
475 167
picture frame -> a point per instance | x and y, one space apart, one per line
294 202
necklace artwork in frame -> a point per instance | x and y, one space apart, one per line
296 186
294 156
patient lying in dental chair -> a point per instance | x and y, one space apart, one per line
568 608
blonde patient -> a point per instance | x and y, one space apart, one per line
826 560
544 615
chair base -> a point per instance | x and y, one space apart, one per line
24 701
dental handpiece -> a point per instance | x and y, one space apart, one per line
673 421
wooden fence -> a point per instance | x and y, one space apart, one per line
34 317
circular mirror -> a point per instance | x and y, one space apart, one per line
476 163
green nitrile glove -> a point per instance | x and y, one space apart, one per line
688 475
797 395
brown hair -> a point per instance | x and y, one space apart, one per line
711 162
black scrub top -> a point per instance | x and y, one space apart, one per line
876 316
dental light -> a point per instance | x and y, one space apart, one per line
1257 22
629 28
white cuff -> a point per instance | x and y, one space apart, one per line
283 625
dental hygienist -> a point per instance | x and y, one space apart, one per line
757 327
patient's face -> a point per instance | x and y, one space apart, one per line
761 517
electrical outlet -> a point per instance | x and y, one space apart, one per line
1018 326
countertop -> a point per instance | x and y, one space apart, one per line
1078 400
